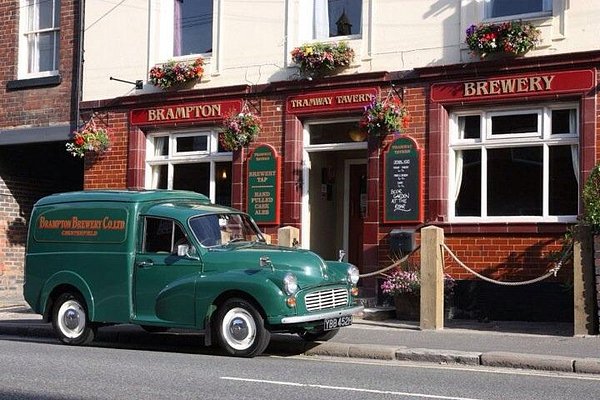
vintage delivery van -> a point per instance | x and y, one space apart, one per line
171 259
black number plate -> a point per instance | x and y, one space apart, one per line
334 323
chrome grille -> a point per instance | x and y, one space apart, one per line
324 299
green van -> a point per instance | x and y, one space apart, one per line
171 259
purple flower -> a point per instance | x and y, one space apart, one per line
471 30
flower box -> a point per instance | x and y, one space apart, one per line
319 59
507 38
177 75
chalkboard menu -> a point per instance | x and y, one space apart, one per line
264 174
403 176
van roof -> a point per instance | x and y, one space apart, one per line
124 196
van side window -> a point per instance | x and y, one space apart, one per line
162 236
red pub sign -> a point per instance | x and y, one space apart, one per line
538 84
331 100
188 112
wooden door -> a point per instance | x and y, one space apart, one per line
356 209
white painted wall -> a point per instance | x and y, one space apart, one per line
253 38
115 44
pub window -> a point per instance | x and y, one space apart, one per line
337 132
521 8
192 27
331 18
190 160
39 38
514 165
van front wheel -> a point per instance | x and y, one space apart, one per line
240 329
70 320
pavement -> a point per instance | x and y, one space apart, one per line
507 344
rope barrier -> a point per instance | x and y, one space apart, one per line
552 271
394 265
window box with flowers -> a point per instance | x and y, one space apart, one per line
506 38
177 75
404 285
382 117
319 59
90 139
239 130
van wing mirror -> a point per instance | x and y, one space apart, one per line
183 250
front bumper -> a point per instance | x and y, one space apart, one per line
322 315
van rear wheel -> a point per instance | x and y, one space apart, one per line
240 329
70 320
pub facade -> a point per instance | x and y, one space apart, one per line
496 154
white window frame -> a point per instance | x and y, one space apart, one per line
24 34
299 30
513 136
178 154
305 23
165 18
212 156
546 11
487 142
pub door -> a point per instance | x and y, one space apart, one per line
357 204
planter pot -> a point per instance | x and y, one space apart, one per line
500 55
408 307
183 85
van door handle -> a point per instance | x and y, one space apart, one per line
145 264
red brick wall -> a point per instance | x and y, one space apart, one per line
17 196
522 254
43 105
24 108
109 171
508 252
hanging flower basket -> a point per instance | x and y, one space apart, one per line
174 74
381 117
239 130
88 139
318 59
511 38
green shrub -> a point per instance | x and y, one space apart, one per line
591 199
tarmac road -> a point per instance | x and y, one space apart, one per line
49 371
537 346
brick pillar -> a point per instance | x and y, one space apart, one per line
136 159
238 178
291 203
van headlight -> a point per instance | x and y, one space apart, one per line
290 284
353 274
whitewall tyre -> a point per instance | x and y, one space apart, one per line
240 329
70 320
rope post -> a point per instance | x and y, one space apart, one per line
432 278
584 315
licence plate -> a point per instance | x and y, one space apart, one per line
334 323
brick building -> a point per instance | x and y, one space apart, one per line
38 108
501 148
